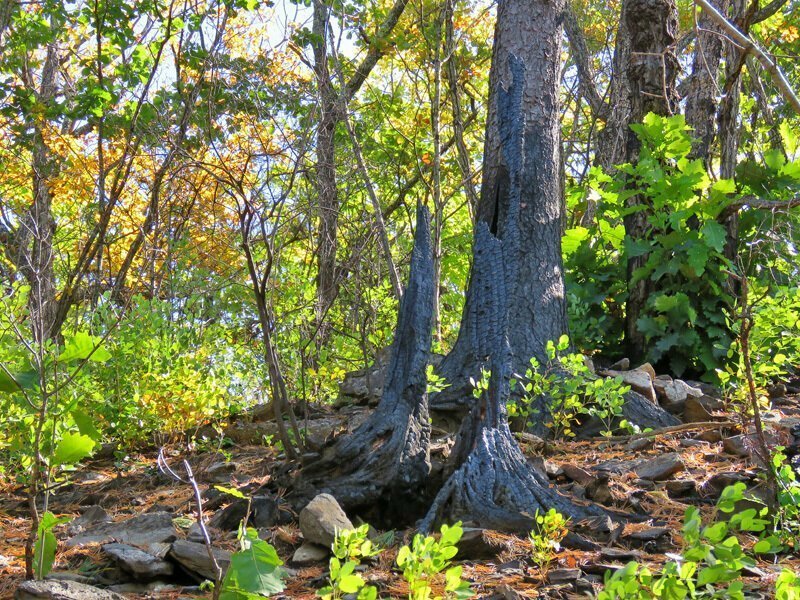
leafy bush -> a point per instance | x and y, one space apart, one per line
571 390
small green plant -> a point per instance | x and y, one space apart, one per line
44 551
436 383
426 558
349 547
711 563
787 586
549 529
254 570
572 389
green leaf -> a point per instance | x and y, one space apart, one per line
26 380
255 570
231 492
83 346
85 424
44 550
72 448
714 234
350 584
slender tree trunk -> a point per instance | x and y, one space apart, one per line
36 236
652 68
451 72
325 182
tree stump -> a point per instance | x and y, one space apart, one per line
384 463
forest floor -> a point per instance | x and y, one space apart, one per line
597 468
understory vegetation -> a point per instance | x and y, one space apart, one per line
418 255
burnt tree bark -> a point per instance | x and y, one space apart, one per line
385 462
493 484
522 149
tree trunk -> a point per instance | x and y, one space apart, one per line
701 99
651 71
536 301
36 235
520 205
325 182
382 466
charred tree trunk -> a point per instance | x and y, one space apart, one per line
493 484
385 462
520 205
652 26
525 63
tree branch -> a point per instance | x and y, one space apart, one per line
750 46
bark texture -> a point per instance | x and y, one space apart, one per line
526 64
384 463
652 27
520 205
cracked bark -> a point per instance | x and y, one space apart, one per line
520 205
383 465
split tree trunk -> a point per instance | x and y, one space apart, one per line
522 148
385 462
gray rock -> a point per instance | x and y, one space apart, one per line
91 516
647 535
365 385
140 564
220 472
639 379
640 444
558 576
62 590
680 488
321 519
149 528
623 364
699 409
660 467
749 444
672 395
144 588
308 554
194 558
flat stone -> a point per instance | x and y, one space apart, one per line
91 516
577 474
308 554
193 557
623 364
640 444
321 519
680 488
619 554
62 590
640 381
700 409
648 535
557 576
660 467
140 564
149 528
220 472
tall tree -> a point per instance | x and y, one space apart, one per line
528 221
332 104
651 71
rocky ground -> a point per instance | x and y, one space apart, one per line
134 531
